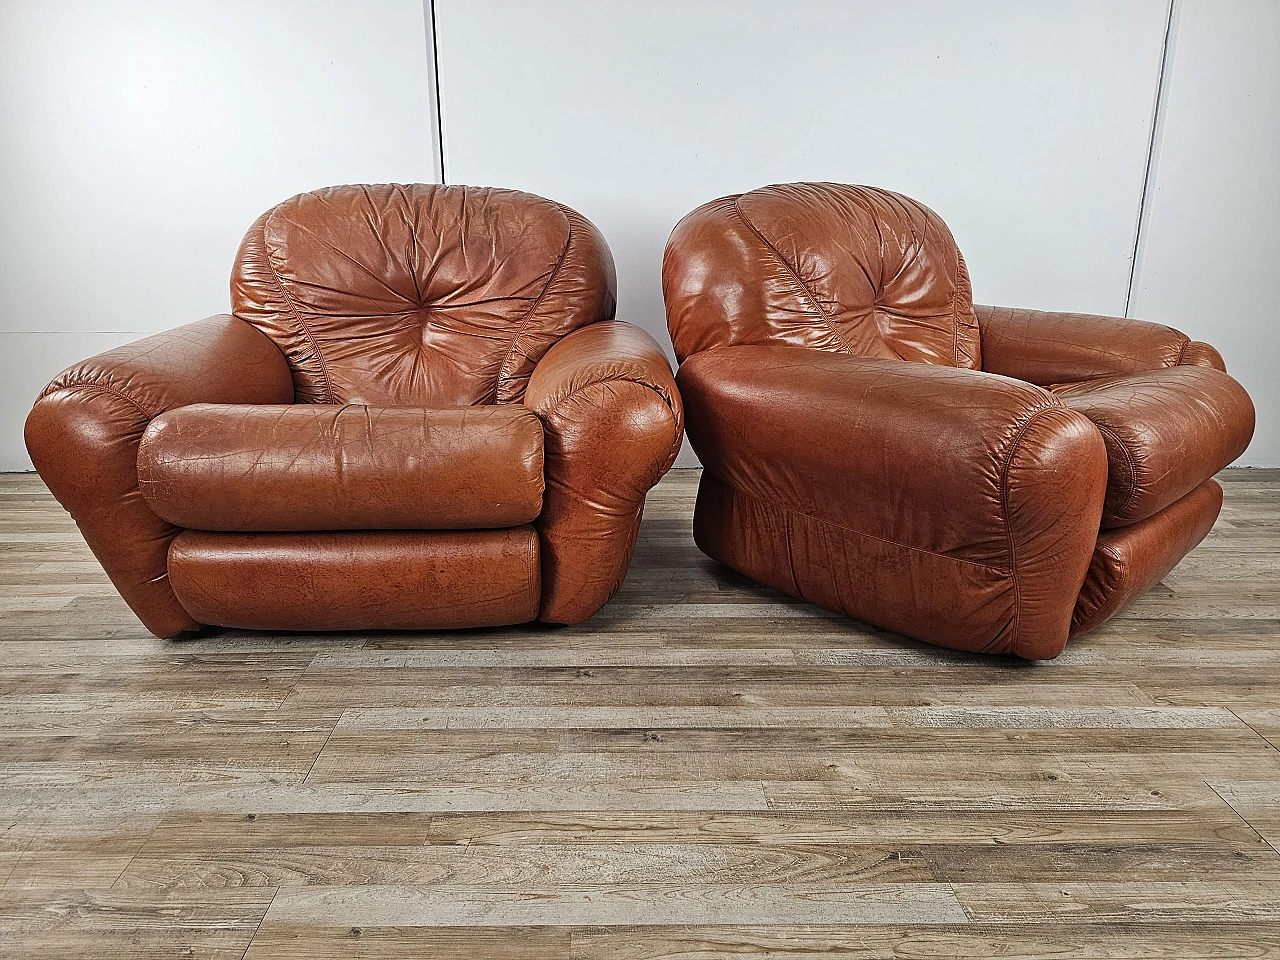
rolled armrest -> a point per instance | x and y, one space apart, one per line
1044 347
327 466
84 430
950 504
613 423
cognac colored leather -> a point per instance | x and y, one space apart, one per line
1129 561
84 430
1166 431
613 424
373 381
957 497
343 467
419 295
975 499
358 580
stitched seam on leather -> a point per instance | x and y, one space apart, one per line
293 308
503 371
535 595
1008 525
955 330
636 380
955 320
858 533
1129 464
102 388
1092 620
1182 351
804 290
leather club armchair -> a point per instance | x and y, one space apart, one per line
422 414
982 478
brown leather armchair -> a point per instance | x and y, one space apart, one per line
1020 478
422 414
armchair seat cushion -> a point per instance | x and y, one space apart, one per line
311 467
1166 431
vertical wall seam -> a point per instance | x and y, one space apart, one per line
1157 116
433 55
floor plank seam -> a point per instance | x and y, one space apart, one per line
254 936
1265 838
705 752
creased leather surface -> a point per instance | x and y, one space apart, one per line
881 489
613 425
407 321
1044 347
352 580
843 268
1131 560
1197 354
331 467
84 430
950 504
1166 432
419 294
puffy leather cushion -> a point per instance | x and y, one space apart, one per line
419 294
1166 431
843 268
358 580
329 467
1129 561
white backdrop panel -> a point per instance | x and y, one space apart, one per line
1208 261
141 138
1024 124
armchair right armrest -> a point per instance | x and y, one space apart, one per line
84 430
1047 347
949 504
613 424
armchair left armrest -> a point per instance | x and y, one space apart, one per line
1047 347
613 425
84 430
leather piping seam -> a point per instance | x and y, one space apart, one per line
955 327
297 316
1129 465
858 533
955 321
534 574
1091 621
636 380
103 388
1008 526
503 371
1182 351
804 290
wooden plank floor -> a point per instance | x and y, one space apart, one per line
706 769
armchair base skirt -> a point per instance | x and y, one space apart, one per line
927 595
943 600
358 580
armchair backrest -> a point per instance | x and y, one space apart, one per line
419 294
843 268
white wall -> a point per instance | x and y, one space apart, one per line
138 141
1024 124
1211 245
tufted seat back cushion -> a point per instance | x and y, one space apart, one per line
849 269
419 294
